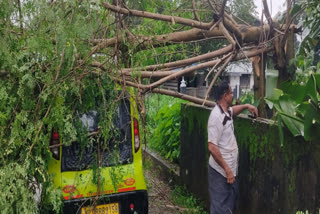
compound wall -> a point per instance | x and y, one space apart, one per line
273 178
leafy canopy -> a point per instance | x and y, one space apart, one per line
45 81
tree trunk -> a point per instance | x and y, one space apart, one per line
287 71
259 66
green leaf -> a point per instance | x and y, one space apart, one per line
295 9
280 128
317 80
269 102
312 123
294 124
311 90
287 113
296 91
277 93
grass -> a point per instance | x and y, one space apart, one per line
163 125
187 202
306 212
180 196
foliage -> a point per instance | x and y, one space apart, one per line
311 24
44 83
298 107
298 103
46 80
306 212
164 126
245 10
158 54
182 197
248 98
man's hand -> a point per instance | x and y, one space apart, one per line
237 109
216 154
253 110
230 176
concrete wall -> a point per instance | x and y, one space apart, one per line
272 178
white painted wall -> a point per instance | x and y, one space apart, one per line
234 80
251 81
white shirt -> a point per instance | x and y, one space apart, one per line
221 134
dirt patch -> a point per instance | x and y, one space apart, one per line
158 192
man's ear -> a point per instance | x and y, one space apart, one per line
224 95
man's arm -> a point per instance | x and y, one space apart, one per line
216 154
237 109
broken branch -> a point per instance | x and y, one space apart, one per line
218 74
179 20
195 10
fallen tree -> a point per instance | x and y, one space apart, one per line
57 58
245 42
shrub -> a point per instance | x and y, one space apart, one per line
163 126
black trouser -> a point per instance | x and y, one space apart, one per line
222 195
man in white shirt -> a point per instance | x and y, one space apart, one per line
222 144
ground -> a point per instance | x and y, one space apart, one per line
158 192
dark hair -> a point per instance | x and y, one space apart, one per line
220 89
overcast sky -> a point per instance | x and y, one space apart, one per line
274 6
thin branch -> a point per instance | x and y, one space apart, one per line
168 92
130 83
141 74
184 97
183 62
175 19
164 39
180 73
195 10
262 36
20 16
212 69
212 6
222 9
60 65
243 21
215 25
240 48
49 108
278 31
218 74
170 74
267 14
288 21
40 128
230 19
220 60
227 34
200 66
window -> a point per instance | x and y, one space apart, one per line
117 150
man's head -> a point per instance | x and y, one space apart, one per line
223 93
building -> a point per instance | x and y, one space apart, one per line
239 74
240 77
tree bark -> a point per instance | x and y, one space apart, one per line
259 89
168 75
184 62
168 92
244 34
237 34
184 97
165 39
196 16
172 19
286 70
20 16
